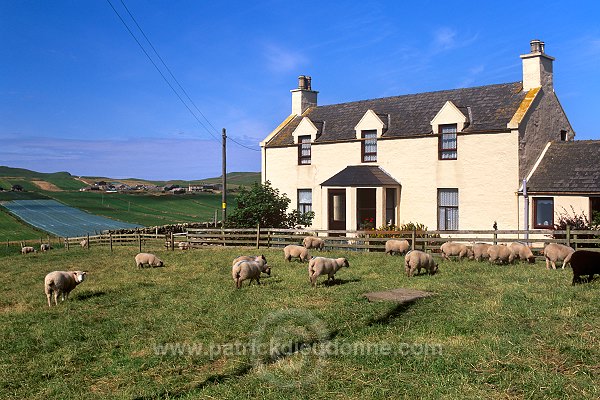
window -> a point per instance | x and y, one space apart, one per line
369 146
304 200
447 209
447 144
543 212
563 136
390 206
304 150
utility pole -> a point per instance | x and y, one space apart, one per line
224 172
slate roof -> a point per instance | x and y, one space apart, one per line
361 175
568 167
489 108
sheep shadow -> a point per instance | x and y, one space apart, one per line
337 282
88 294
392 314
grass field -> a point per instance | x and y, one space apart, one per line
488 332
13 229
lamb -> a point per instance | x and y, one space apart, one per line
249 258
27 249
500 254
456 249
84 243
557 252
321 266
45 247
312 242
585 262
147 258
183 245
396 246
480 251
246 269
295 251
417 259
61 283
522 252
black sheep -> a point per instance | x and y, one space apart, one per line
585 262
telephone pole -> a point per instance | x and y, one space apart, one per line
224 172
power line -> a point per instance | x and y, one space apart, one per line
170 73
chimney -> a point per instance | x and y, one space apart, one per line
537 67
303 97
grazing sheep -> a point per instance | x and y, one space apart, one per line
45 247
522 252
61 283
396 246
480 251
246 269
147 258
296 252
417 259
313 242
27 249
249 258
585 262
500 254
456 249
183 245
320 266
557 252
84 243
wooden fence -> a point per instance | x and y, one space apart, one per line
334 240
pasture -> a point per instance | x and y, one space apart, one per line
185 332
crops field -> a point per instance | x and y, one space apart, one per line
184 331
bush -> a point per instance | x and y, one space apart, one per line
576 222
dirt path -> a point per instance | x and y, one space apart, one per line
47 186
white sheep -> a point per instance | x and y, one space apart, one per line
522 252
183 245
84 243
27 249
61 283
557 252
456 249
500 254
295 251
480 251
320 266
313 242
246 269
146 258
417 259
396 246
45 247
249 258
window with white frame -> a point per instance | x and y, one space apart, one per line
447 142
304 150
369 146
447 209
304 200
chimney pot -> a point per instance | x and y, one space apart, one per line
302 83
536 46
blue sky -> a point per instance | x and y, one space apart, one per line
78 94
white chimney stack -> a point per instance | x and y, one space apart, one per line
303 97
537 67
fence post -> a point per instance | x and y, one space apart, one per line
495 238
67 243
568 235
268 238
575 241
258 236
140 241
223 235
88 241
413 239
110 241
172 242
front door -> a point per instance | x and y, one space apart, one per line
336 200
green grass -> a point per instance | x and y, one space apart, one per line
496 332
13 229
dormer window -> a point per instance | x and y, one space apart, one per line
304 151
369 146
447 142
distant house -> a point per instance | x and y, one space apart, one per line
453 159
16 188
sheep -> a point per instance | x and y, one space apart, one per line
396 246
247 269
500 254
456 249
147 258
480 251
312 242
61 283
249 258
417 259
585 262
27 249
320 266
84 243
295 251
183 245
45 247
557 252
522 252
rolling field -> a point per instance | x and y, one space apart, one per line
12 229
184 332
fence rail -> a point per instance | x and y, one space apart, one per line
334 239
